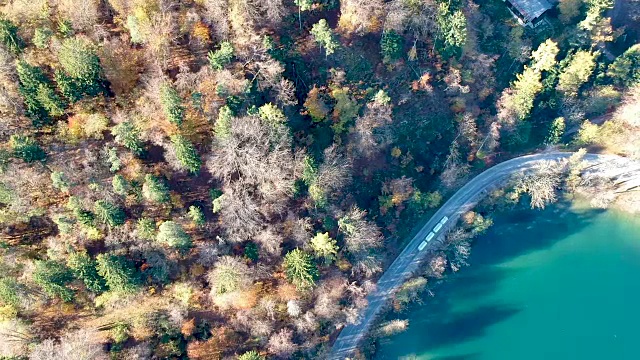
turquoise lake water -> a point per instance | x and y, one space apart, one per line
544 285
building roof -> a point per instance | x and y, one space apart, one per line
531 9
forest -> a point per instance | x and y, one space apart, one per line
226 179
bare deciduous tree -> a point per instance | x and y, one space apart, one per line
270 241
454 169
22 186
629 111
82 344
281 344
360 234
417 17
370 134
361 16
334 172
251 322
392 327
306 323
255 154
284 92
293 308
541 184
83 14
218 11
230 280
240 214
15 338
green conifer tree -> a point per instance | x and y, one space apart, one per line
171 104
85 269
221 57
26 148
173 235
300 269
186 153
109 213
128 135
323 35
9 36
80 62
53 278
120 185
155 190
118 272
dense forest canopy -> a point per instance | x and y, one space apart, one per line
203 179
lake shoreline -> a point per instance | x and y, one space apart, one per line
558 217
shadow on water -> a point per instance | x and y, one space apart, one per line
460 327
458 357
438 323
522 231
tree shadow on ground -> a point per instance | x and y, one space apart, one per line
438 323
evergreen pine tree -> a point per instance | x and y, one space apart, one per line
155 190
26 148
84 268
173 235
186 153
300 269
171 104
109 213
53 278
128 135
9 36
118 272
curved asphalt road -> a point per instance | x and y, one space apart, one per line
410 258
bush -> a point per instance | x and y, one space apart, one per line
60 181
251 251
